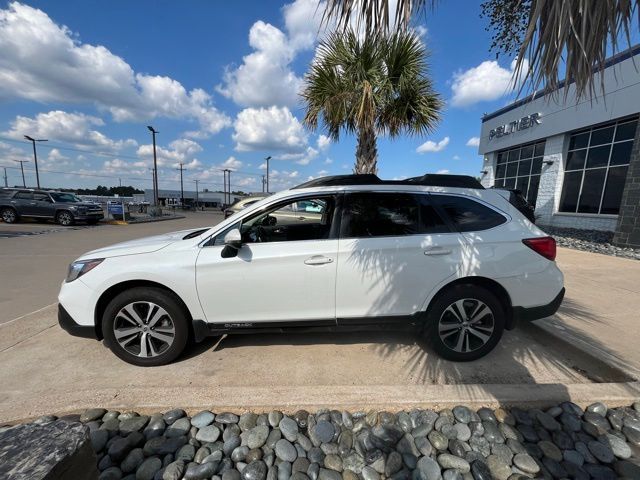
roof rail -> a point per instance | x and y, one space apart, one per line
429 179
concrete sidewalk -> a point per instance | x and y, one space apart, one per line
601 310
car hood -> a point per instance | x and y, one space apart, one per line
140 245
79 204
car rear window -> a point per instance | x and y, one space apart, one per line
467 214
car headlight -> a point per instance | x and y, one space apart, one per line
72 208
79 268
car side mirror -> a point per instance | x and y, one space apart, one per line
232 243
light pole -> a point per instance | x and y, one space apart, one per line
21 162
35 155
227 179
181 184
155 167
267 159
6 179
197 199
263 182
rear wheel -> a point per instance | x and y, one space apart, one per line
64 218
465 323
9 215
146 326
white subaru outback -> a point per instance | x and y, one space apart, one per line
438 254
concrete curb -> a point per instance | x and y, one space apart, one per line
150 220
343 397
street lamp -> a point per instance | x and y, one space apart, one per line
155 167
267 159
35 155
22 162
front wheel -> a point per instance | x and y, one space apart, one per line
9 215
64 218
465 323
146 326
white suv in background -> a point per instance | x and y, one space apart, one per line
438 254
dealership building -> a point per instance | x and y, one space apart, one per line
577 161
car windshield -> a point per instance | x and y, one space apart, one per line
65 197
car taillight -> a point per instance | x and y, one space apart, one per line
545 246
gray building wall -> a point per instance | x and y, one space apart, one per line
560 115
628 228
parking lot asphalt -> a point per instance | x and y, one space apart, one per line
44 370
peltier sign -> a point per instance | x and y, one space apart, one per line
515 126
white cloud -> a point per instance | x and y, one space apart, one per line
45 62
456 157
269 129
179 151
265 77
487 81
431 146
473 142
302 20
442 172
303 158
323 142
322 173
232 163
76 128
328 161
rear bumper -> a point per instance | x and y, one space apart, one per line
528 314
69 325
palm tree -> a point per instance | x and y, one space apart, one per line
546 35
370 86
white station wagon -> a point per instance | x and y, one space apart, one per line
438 254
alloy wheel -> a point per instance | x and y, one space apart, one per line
144 329
466 325
65 219
8 215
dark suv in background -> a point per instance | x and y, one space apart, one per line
62 207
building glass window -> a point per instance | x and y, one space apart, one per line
520 168
596 168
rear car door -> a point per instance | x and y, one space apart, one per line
284 272
24 203
394 250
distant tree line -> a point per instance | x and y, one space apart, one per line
123 191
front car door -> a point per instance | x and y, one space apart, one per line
284 272
394 250
43 205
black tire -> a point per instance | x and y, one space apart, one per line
9 215
479 335
114 319
64 218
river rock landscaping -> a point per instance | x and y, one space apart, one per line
594 241
564 441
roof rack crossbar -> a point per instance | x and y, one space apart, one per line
429 180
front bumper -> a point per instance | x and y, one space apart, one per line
69 325
528 314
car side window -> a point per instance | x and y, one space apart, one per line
294 220
430 220
377 214
467 214
41 197
23 196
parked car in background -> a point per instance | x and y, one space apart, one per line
438 255
241 204
62 207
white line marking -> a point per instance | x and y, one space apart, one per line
26 315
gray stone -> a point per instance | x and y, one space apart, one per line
186 453
423 445
486 414
571 422
231 474
602 452
498 468
111 473
301 464
173 415
573 456
239 454
333 462
481 445
147 469
118 449
98 439
633 436
627 469
547 421
134 424
200 472
393 464
463 432
555 468
439 441
180 427
304 442
325 474
132 461
452 475
247 421
210 434
201 454
550 450
274 418
284 470
462 414
585 452
257 436
598 407
255 471
503 452
285 450
353 462
92 414
173 471
407 445
600 472
324 431
619 447
369 473
227 418
526 463
447 461
427 469
289 428
155 427
202 419
492 433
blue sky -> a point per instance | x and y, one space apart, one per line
219 81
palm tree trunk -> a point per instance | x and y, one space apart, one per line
367 152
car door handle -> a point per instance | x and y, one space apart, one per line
318 260
437 251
